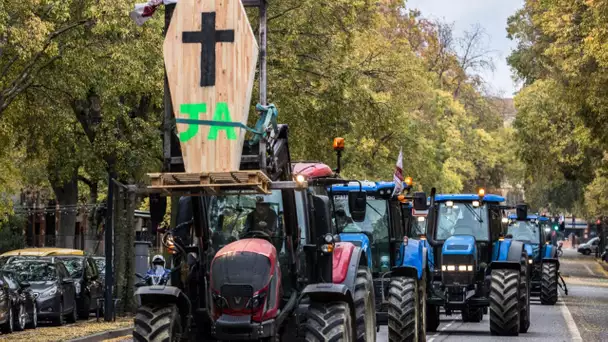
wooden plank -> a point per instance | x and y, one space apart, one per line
193 94
214 182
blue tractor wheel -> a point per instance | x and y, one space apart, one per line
402 309
548 284
524 294
504 302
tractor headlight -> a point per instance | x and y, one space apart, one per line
470 268
451 268
530 261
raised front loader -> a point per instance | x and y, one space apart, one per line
475 267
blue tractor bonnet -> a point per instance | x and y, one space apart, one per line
459 245
468 197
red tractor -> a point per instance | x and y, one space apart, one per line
263 265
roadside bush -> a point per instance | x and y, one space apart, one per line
11 233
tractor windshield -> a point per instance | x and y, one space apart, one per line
376 217
462 218
237 216
526 231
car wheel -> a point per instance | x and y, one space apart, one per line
61 319
587 251
21 318
8 327
73 317
33 324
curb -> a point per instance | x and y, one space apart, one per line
104 335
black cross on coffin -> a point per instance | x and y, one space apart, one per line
208 37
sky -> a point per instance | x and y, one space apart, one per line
492 16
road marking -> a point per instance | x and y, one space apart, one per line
574 333
440 330
589 269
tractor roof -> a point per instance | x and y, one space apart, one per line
468 197
365 185
531 217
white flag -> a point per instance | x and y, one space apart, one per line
398 176
144 11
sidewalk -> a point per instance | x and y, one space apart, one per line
49 333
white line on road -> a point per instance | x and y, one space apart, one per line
440 330
588 269
574 333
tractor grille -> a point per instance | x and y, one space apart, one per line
237 296
459 278
457 247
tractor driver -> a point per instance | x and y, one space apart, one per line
262 219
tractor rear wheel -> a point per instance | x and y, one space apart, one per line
432 318
365 306
548 284
156 323
524 295
328 322
402 309
504 302
422 308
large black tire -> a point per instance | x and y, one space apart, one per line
548 284
402 309
504 302
157 324
432 318
365 306
328 322
524 294
421 326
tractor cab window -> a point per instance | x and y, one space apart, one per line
236 217
376 217
526 231
418 226
462 218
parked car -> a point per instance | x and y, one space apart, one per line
52 286
23 303
590 246
89 287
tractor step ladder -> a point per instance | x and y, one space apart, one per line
212 183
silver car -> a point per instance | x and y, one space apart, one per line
590 246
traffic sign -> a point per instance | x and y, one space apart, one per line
210 56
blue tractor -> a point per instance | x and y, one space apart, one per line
475 267
534 231
396 257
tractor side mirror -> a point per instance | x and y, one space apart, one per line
357 204
322 209
522 212
420 201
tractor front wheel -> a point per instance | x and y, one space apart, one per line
402 309
364 306
504 302
156 323
548 284
524 294
328 322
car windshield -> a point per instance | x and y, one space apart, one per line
376 217
524 231
32 271
74 266
462 218
239 216
101 265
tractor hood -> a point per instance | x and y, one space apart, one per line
244 265
459 245
532 249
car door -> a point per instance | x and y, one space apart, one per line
594 244
68 289
93 281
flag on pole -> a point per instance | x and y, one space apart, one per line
144 11
398 176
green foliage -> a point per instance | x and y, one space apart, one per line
11 233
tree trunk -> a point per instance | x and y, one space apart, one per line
120 246
129 255
92 232
67 196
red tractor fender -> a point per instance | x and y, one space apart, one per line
346 260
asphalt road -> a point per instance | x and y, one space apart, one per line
580 316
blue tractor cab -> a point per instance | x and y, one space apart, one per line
475 267
397 257
533 231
